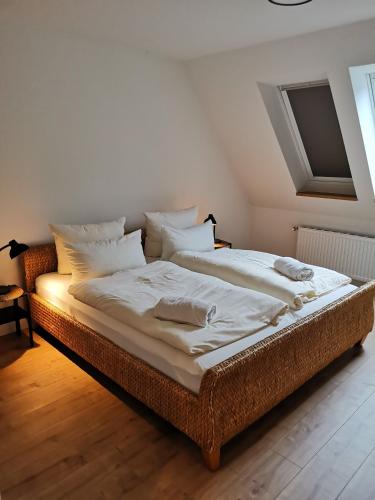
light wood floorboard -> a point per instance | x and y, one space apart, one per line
66 432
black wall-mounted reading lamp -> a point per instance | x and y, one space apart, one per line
213 220
15 250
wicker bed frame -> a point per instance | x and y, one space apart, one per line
234 393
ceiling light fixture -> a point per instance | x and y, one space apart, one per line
289 3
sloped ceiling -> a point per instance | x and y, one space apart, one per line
185 29
227 85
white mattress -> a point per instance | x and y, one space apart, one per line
187 370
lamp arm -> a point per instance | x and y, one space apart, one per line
4 247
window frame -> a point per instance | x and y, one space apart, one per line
371 89
365 105
333 182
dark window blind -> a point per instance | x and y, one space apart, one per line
316 118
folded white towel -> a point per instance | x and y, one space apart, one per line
294 269
185 310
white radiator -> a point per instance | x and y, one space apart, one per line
346 253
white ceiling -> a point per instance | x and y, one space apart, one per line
185 29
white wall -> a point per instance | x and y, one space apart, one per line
227 86
89 132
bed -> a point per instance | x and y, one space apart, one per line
214 397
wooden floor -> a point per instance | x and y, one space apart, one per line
65 435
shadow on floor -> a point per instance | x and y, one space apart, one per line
13 347
138 407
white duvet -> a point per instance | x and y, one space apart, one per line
254 270
130 296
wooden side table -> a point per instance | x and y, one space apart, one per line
222 244
14 312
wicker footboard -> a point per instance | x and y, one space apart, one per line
249 384
234 393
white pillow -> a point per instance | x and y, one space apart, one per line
155 220
103 258
77 233
199 238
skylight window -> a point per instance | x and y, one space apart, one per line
311 115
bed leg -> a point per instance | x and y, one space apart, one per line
361 342
212 459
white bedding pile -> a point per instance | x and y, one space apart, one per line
130 296
255 270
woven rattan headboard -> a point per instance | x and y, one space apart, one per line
38 260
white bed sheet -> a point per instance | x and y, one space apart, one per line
184 369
